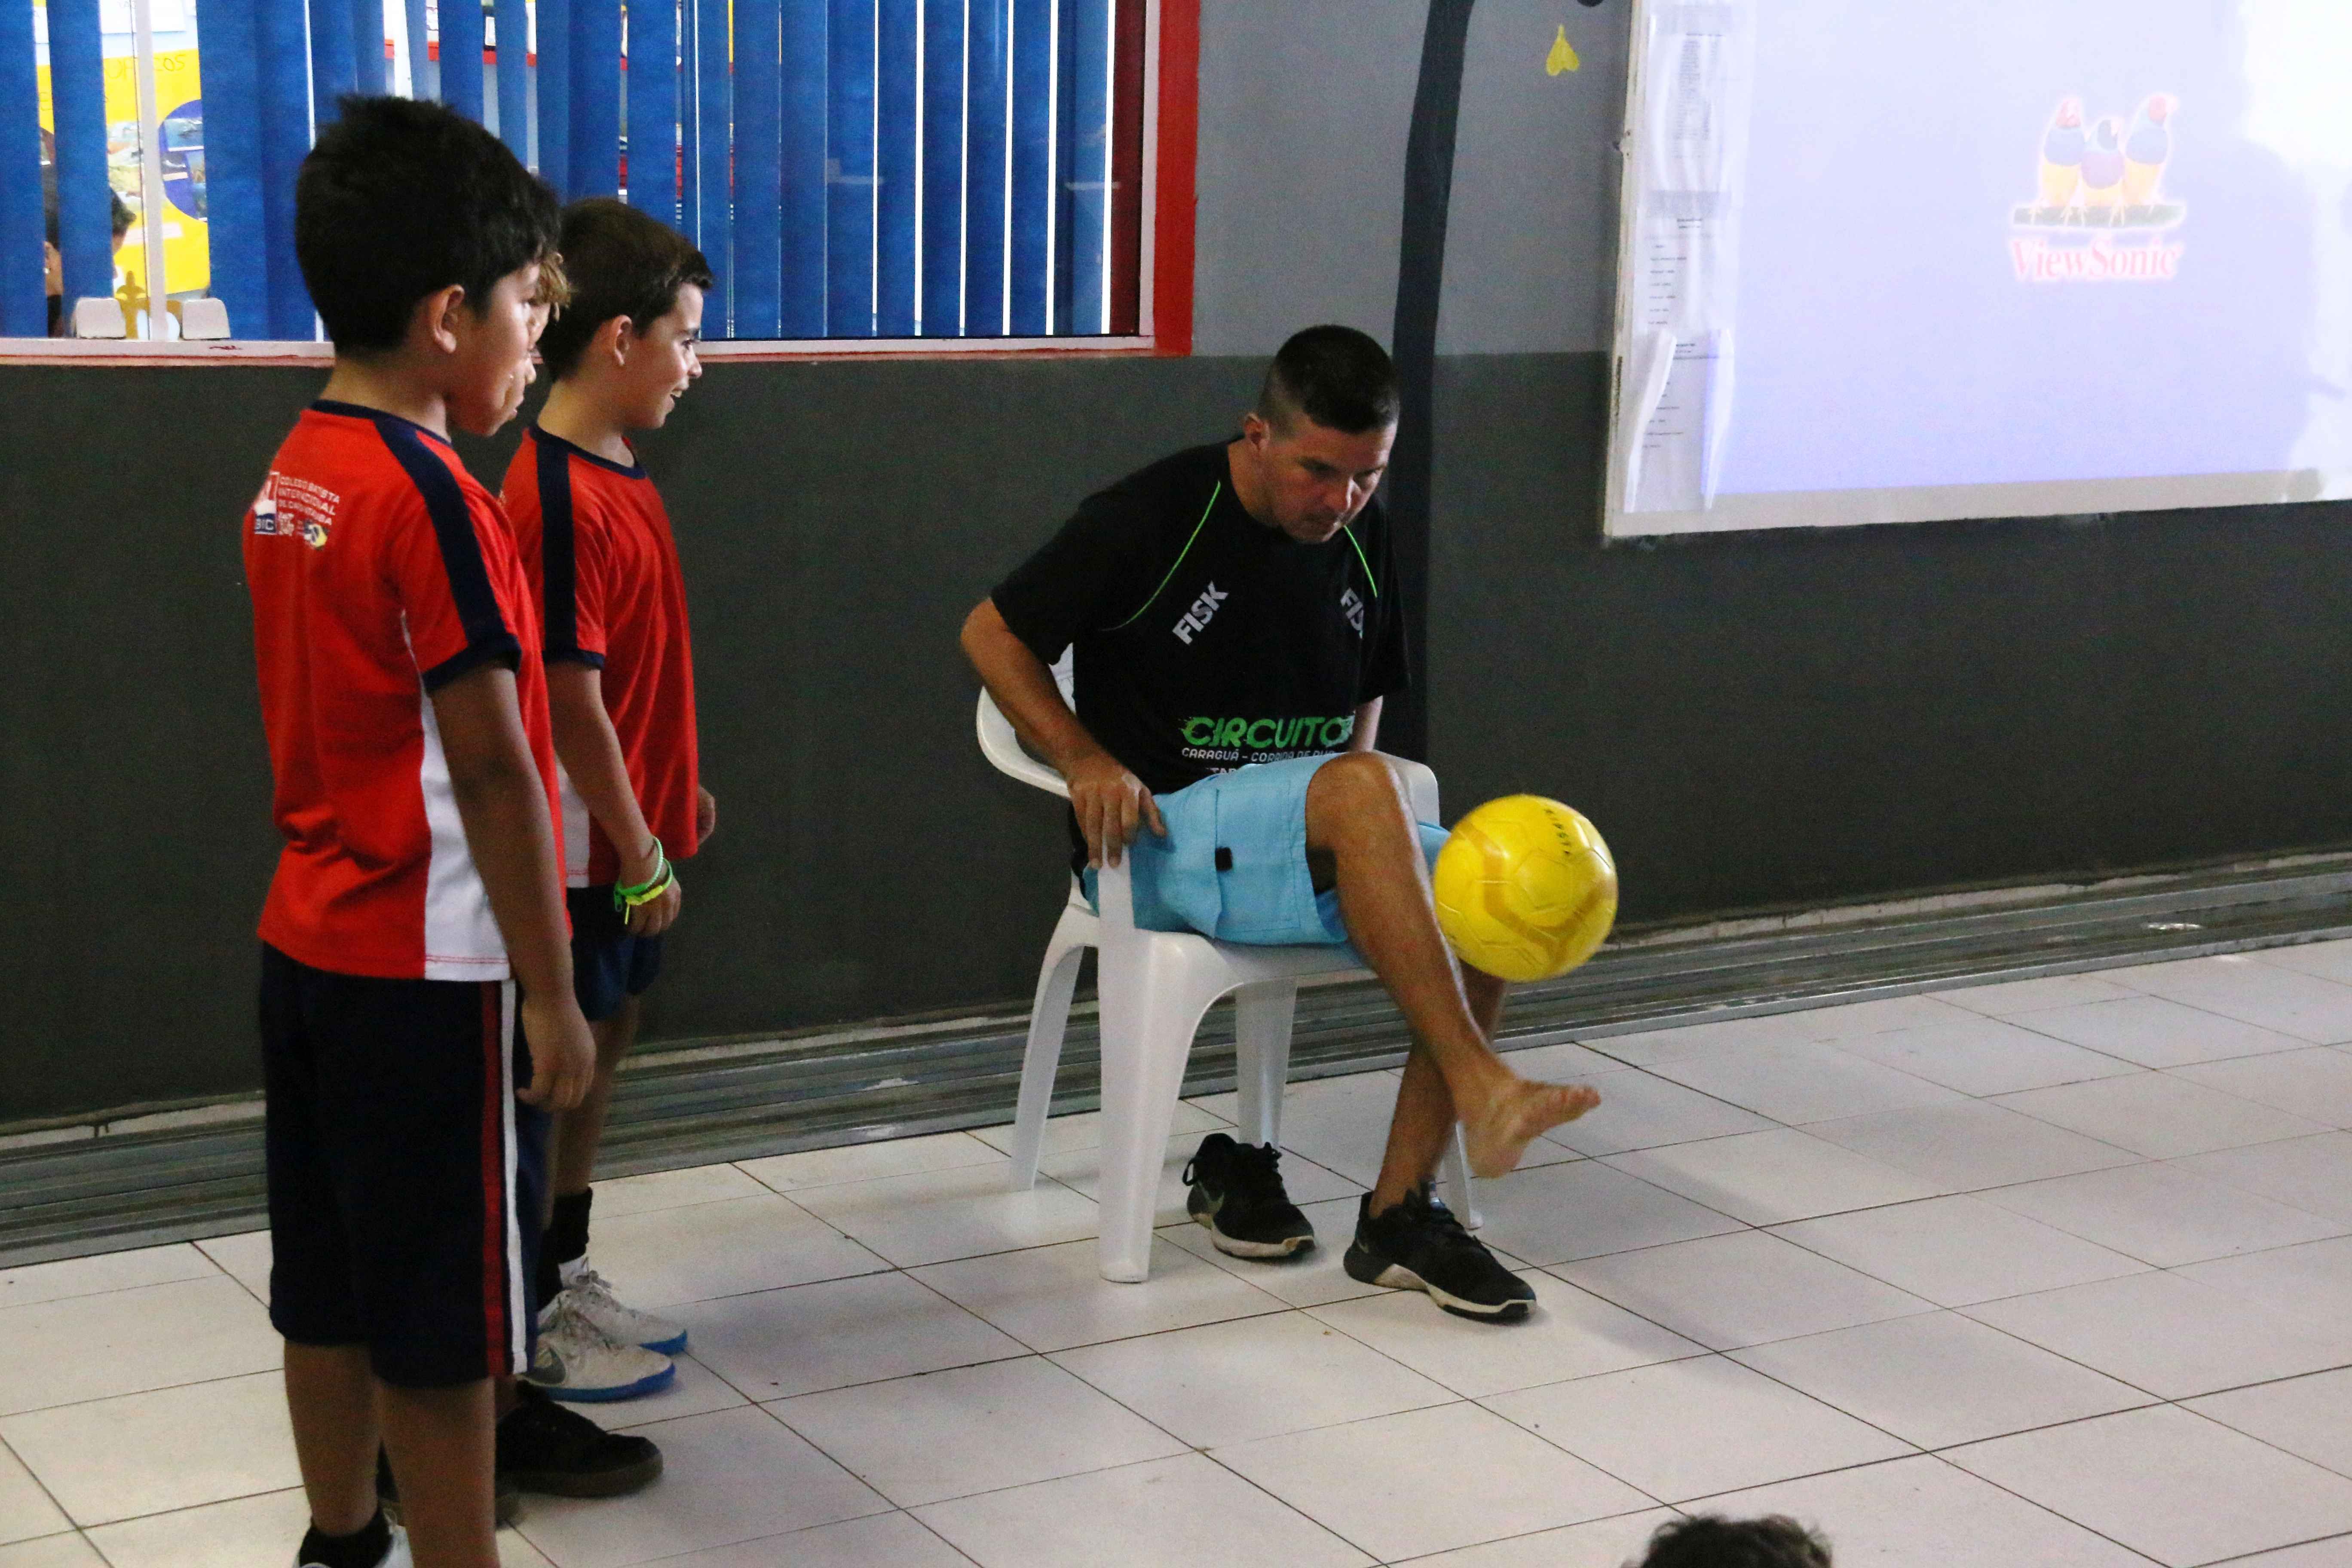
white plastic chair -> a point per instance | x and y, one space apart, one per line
1155 987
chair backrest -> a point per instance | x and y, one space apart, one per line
202 319
1001 747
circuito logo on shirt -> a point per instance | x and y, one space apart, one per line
1203 611
1308 734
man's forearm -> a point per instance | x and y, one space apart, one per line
1024 690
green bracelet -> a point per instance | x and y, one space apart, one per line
625 898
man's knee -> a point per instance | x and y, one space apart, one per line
1358 781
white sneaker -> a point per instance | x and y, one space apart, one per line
580 1363
624 1325
394 1556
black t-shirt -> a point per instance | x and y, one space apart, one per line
1206 639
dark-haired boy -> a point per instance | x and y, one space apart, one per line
620 676
1235 625
1711 1540
416 1011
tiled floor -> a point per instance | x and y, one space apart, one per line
2051 1273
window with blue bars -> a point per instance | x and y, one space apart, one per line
853 169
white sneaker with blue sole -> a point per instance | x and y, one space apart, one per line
594 1301
581 1363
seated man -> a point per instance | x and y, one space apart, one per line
1236 625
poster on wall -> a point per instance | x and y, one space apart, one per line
1894 264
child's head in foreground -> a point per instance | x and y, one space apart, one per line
430 253
1712 1542
628 335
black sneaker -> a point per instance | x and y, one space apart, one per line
387 1493
1237 1193
1420 1246
545 1447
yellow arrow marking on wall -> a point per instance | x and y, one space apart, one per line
1562 56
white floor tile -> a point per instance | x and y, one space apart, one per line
2328 960
1690 1429
2162 1215
1727 1292
1557 1060
671 1257
514 1552
878 1541
1940 1379
935 1216
2155 1033
1956 1251
837 1332
1853 1020
1083 1129
2011 996
1080 1170
1474 1477
2314 1082
870 1162
695 1390
1171 1513
1801 1083
2316 1277
2333 1553
2304 1416
1984 1056
1970 1145
1556 1212
161 1450
1229 1382
1649 1048
126 1341
983 1428
245 1259
733 1476
1643 1111
1053 1298
51 1552
1603 1543
107 1271
1770 1178
1341 1123
263 1529
2235 986
1924 1513
25 1508
2158 1115
673 1189
2172 1336
1306 1279
2310 1174
2152 1480
1571 1333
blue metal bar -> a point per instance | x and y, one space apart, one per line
984 181
898 92
689 113
77 87
1032 218
801 215
225 31
714 230
1066 156
595 97
333 74
850 172
512 53
24 301
943 149
1088 137
424 76
462 43
552 80
759 111
285 82
652 80
367 48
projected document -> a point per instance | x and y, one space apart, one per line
1896 263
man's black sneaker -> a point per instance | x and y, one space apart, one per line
1237 1192
1420 1246
387 1494
546 1448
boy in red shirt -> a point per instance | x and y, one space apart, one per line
620 678
417 1019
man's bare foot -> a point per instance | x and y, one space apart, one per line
1496 1137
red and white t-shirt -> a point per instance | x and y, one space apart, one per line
380 571
603 567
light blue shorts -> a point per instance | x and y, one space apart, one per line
1234 865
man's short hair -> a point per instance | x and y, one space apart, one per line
1710 1540
1336 377
620 262
401 198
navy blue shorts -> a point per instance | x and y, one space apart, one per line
407 1186
608 965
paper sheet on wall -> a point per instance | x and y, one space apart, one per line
1692 138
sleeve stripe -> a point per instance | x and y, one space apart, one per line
558 570
453 529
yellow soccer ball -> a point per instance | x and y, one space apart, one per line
1525 889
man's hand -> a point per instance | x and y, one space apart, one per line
1112 804
563 1052
706 816
653 918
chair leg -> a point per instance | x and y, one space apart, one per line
1262 1021
1460 1195
1049 1017
1146 1036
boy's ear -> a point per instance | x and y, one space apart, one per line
614 338
433 324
